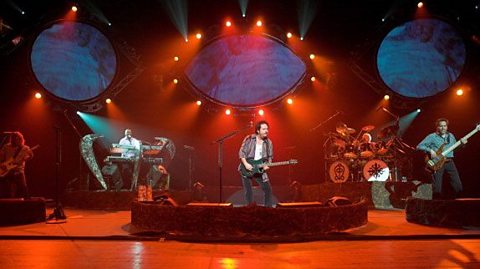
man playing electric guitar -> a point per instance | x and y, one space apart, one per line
433 145
257 147
13 156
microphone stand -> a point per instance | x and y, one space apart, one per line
58 213
220 141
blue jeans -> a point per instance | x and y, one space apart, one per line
266 188
454 178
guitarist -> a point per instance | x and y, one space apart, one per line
433 144
17 151
257 147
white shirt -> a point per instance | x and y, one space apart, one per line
258 152
130 142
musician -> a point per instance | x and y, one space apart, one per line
127 168
15 180
430 145
257 146
129 140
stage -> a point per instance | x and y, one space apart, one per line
386 240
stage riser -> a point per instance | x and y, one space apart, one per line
246 223
462 213
16 212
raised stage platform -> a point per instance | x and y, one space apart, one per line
18 211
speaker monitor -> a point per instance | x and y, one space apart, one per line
300 204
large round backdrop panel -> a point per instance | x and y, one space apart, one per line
421 58
73 61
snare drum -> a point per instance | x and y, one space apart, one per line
338 172
376 170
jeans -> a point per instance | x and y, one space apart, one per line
454 178
266 188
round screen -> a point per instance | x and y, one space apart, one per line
421 58
73 61
245 70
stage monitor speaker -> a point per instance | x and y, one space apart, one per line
300 204
211 204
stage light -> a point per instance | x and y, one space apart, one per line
289 101
259 23
289 35
228 112
312 56
419 110
460 92
386 97
198 36
244 15
186 40
38 95
23 12
261 112
301 38
175 81
78 112
74 8
108 100
228 23
176 59
109 24
199 103
313 79
420 4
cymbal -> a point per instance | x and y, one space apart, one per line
368 128
344 130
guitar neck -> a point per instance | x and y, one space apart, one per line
454 146
276 163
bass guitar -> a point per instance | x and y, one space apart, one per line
9 165
258 166
434 164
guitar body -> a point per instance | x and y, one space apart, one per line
434 164
6 167
258 166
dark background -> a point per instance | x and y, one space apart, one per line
342 32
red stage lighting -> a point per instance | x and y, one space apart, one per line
289 35
74 8
420 4
386 97
198 36
108 100
199 103
259 23
289 101
38 95
175 81
228 23
176 59
313 79
261 112
228 112
312 56
460 92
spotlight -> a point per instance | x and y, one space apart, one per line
244 15
74 8
228 112
108 100
228 23
176 59
259 23
109 24
289 35
420 4
386 97
78 113
419 110
186 40
383 19
261 112
301 38
313 79
199 103
198 36
175 81
289 101
460 92
312 56
38 95
23 12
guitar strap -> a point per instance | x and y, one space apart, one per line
17 152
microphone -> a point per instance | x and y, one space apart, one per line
187 147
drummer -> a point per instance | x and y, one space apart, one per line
366 145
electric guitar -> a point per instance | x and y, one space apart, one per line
9 165
258 166
433 164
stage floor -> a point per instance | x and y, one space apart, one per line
95 238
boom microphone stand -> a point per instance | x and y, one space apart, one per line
58 213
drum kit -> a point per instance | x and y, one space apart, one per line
358 158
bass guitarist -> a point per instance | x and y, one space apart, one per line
13 156
257 147
433 145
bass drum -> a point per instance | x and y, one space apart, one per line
338 172
376 170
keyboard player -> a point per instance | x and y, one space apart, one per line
131 151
